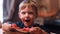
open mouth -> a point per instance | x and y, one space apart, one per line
28 20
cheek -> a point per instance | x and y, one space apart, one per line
32 17
20 16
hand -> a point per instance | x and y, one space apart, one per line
6 26
34 30
37 30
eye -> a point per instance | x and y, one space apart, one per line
31 13
23 12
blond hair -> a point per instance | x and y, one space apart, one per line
29 3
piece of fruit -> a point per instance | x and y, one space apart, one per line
26 29
14 26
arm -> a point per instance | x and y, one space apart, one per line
6 27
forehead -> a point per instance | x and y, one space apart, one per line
28 5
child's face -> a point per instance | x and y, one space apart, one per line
27 16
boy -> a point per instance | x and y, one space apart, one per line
27 13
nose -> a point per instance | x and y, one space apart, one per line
27 15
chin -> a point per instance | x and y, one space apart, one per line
27 24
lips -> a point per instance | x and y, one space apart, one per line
27 20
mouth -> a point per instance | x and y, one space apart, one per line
28 20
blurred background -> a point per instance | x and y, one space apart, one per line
1 15
1 10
